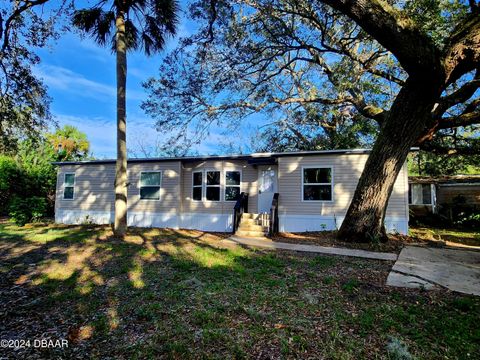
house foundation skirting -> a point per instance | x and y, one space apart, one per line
206 222
214 222
302 223
77 217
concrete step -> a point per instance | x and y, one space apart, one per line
250 216
248 221
250 227
249 233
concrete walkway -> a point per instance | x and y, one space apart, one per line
417 267
266 243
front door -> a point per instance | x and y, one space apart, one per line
267 186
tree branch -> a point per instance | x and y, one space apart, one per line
443 150
460 96
474 7
415 51
8 23
461 120
369 111
462 50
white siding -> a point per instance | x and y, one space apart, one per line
347 169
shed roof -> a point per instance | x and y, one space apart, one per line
445 179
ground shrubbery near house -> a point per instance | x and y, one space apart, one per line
28 177
457 215
25 210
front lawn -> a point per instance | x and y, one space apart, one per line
179 294
448 236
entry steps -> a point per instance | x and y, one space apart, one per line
253 225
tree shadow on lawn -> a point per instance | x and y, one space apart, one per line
469 237
175 293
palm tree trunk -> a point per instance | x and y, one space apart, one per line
120 226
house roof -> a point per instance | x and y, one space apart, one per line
255 158
446 179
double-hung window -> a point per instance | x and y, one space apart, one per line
233 180
213 185
317 184
69 186
150 182
197 187
420 194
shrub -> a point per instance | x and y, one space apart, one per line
10 181
469 220
26 210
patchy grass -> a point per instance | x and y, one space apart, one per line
447 236
394 244
180 294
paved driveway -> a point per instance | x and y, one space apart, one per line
457 270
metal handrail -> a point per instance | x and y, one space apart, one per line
241 206
274 224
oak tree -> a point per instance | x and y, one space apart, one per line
409 69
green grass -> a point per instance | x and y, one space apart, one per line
463 237
178 294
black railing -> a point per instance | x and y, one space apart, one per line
273 225
240 207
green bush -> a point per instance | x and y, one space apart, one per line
469 220
27 210
10 181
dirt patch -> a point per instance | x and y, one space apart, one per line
442 237
394 244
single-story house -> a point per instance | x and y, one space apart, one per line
428 194
200 192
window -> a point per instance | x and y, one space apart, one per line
197 188
69 186
317 184
232 185
420 194
213 186
150 185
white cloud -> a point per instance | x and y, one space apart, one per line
101 132
60 78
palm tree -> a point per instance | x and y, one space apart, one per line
127 25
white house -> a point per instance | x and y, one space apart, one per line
314 190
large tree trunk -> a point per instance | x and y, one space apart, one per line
120 226
408 119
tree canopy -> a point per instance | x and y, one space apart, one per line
410 69
69 143
24 103
305 66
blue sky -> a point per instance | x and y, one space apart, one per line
80 77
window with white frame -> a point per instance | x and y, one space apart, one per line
212 186
150 182
233 180
69 186
317 184
197 187
420 194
